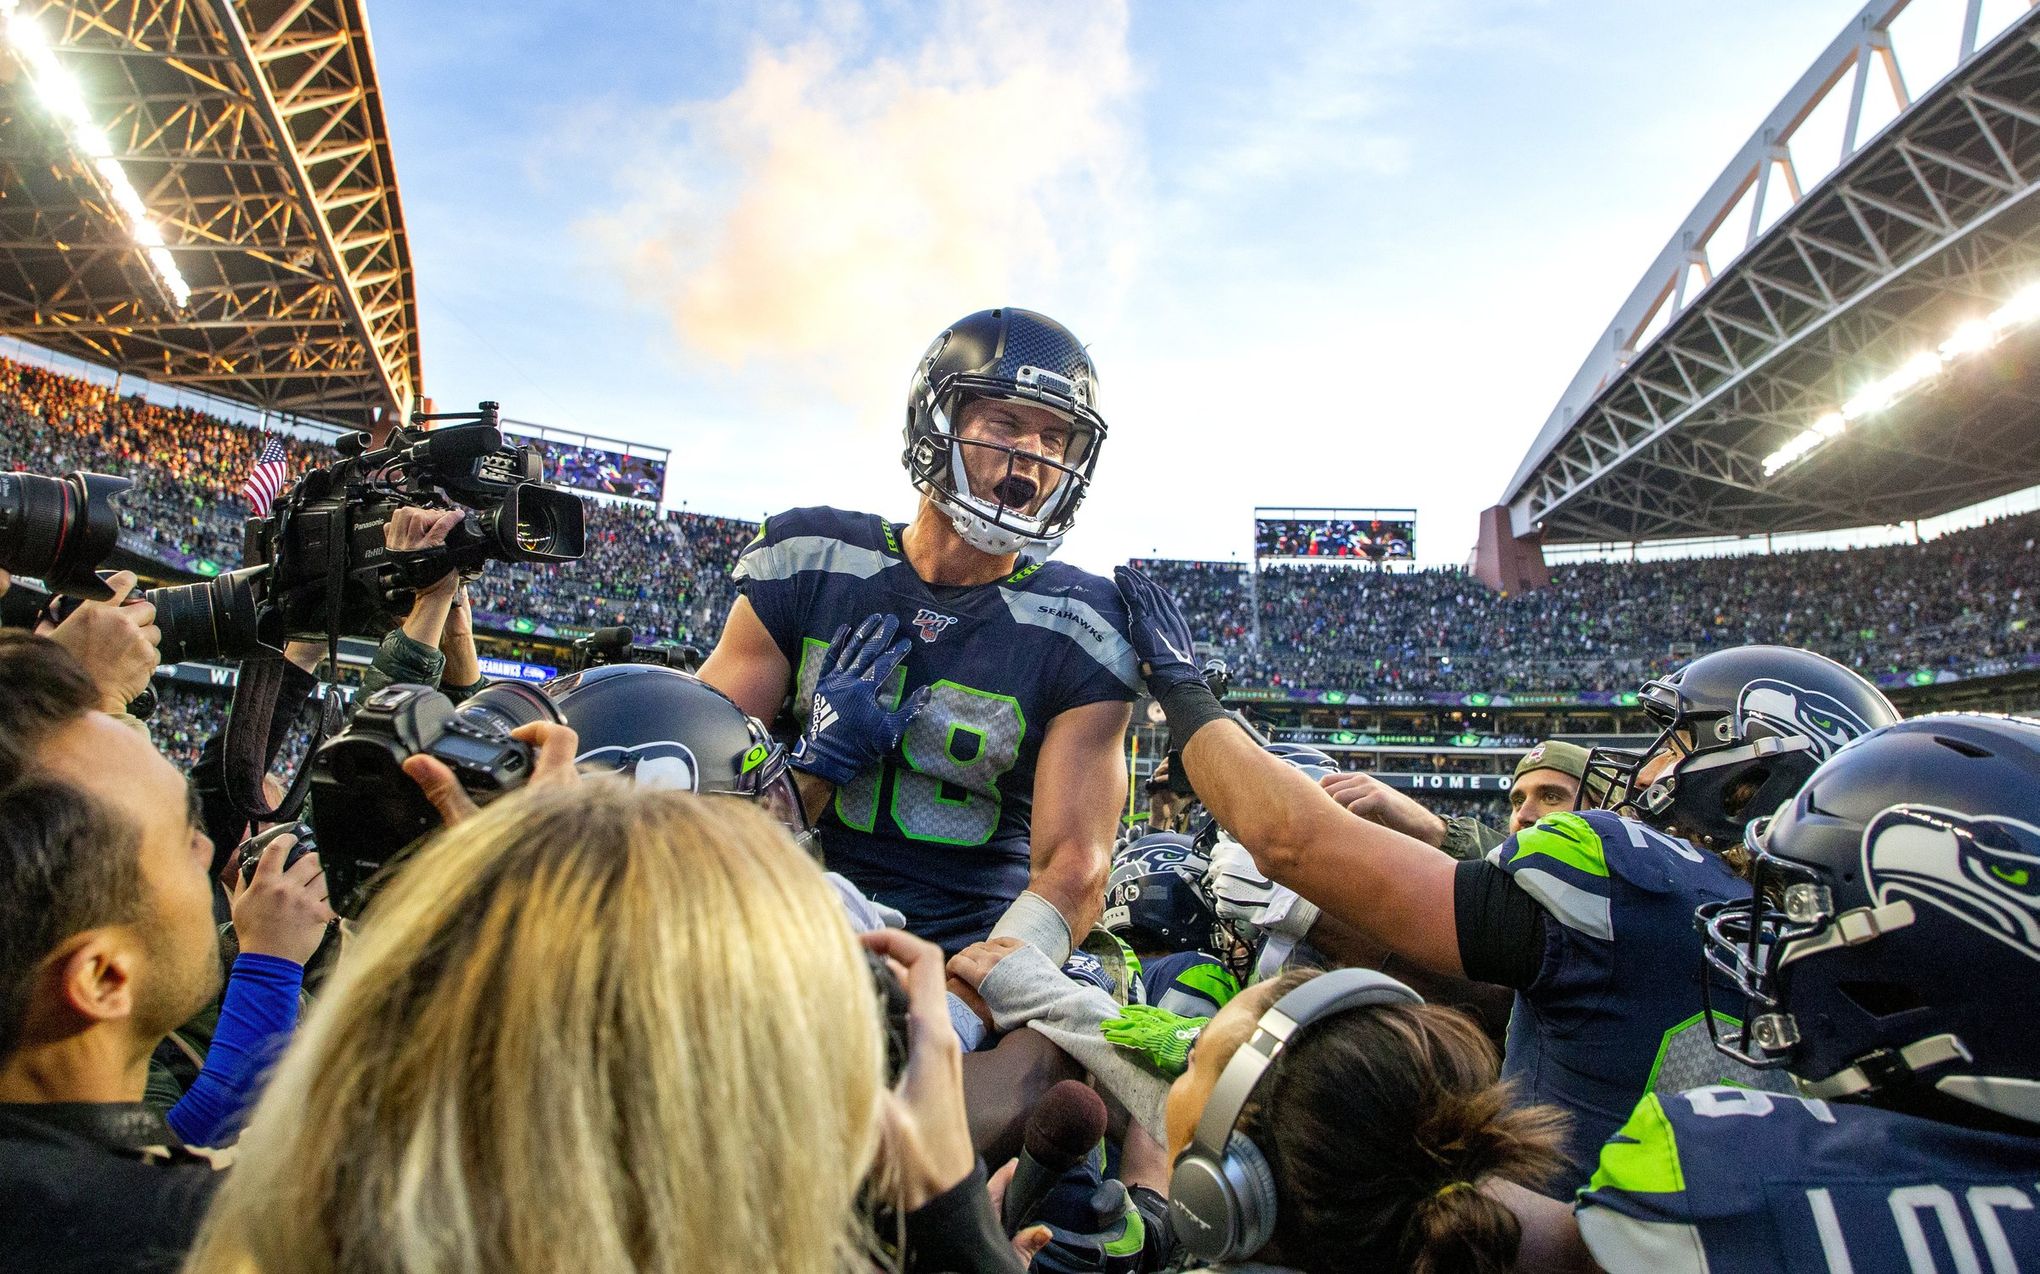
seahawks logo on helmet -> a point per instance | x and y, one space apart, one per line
665 765
1790 711
1983 871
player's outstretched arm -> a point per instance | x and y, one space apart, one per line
1391 887
1079 789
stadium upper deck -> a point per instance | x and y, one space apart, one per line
1868 357
202 193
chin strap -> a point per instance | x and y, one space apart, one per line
1886 1067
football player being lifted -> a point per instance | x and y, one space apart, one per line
1588 917
968 775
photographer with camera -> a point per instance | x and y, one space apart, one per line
435 645
115 642
541 940
107 943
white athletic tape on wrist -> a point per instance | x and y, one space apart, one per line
1034 920
970 1028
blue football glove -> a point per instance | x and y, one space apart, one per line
1159 633
847 731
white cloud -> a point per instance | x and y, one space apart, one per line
816 225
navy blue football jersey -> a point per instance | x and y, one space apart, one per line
1729 1179
1186 983
1615 1009
940 831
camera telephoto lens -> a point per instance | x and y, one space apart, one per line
509 704
209 619
60 529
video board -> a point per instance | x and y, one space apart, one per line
1335 535
597 464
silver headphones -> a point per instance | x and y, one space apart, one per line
1221 1191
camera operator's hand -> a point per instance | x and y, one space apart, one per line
557 747
927 1146
116 644
1377 802
279 912
409 530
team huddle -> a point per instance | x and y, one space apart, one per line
1775 977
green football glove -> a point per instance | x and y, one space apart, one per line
1164 1038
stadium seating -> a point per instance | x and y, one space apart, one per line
1947 605
664 573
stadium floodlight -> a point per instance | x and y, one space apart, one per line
61 92
1970 337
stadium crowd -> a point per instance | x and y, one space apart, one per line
664 573
1949 603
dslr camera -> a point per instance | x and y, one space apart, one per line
365 808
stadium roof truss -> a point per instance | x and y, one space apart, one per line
253 132
1918 229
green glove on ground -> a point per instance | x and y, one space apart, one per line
1164 1038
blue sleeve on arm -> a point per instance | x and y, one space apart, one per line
256 1019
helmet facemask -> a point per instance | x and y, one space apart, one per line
1000 520
1744 941
1014 356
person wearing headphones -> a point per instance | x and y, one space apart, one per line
1335 1121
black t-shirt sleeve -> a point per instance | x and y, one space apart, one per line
956 1232
1501 928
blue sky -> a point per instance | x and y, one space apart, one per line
1323 253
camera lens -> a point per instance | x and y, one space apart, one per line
60 529
539 524
509 704
537 532
214 618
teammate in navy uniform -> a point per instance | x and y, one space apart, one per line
1895 973
995 814
1155 904
1588 918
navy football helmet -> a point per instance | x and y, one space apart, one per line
1314 762
1746 728
666 728
1024 357
1154 899
1890 948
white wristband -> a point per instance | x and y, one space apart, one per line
1034 920
970 1028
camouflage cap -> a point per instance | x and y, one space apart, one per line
1554 754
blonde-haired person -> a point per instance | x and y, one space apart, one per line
596 1027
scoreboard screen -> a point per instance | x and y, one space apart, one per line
608 470
1335 535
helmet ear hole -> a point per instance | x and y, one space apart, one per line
1882 999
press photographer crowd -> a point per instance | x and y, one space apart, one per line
803 926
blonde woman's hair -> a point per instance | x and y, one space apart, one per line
593 1028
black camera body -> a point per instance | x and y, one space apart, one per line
365 808
617 645
252 848
323 544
